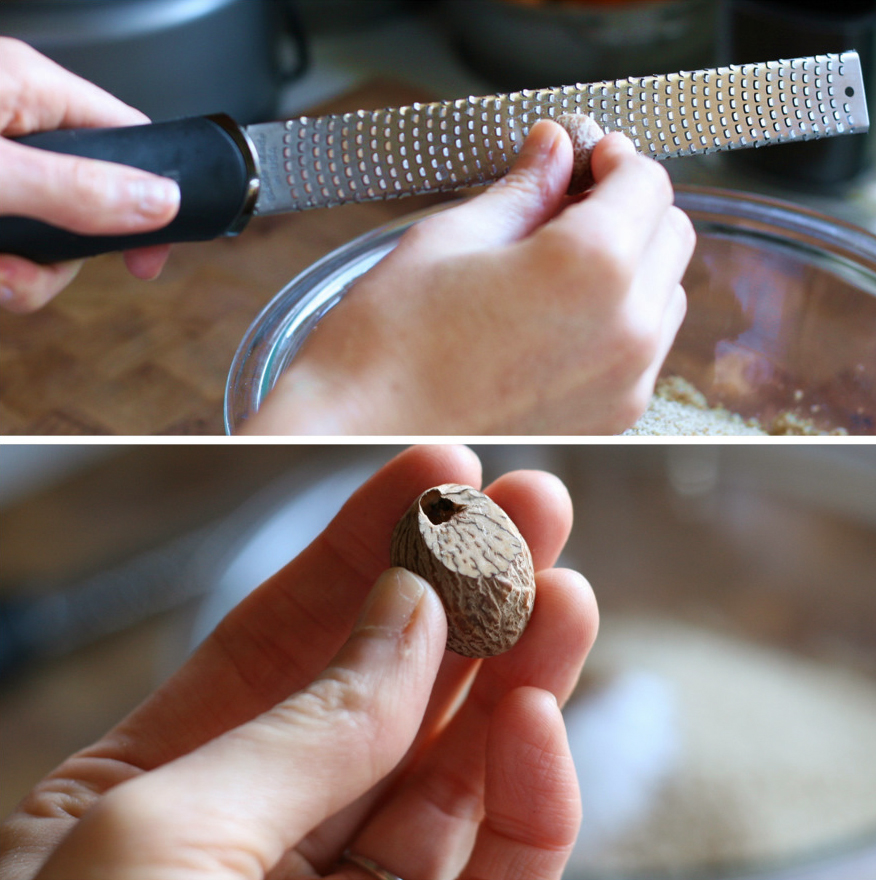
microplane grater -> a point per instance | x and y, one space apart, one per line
313 162
227 173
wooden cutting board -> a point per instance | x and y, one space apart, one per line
116 356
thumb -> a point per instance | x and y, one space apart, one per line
532 192
245 798
83 195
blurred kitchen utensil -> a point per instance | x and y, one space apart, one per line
215 565
170 58
63 617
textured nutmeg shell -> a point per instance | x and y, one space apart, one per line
584 133
477 561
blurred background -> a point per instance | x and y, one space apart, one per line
261 59
724 724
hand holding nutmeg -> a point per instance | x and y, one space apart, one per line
327 699
574 282
477 561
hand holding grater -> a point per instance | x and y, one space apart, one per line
228 173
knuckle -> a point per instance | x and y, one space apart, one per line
683 229
525 185
426 241
12 47
595 254
638 347
558 246
632 394
630 407
657 179
59 798
340 694
612 260
577 266
550 257
86 181
337 704
456 791
636 344
28 287
130 805
337 700
19 58
609 261
85 195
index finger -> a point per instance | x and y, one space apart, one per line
631 196
36 94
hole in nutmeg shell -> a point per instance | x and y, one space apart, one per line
437 508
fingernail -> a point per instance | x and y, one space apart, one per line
539 143
622 142
154 197
391 603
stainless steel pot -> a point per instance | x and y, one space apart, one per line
169 58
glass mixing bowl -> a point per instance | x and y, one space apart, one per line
781 313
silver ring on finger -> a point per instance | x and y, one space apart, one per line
368 865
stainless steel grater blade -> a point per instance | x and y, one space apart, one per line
313 162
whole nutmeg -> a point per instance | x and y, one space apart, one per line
477 561
584 133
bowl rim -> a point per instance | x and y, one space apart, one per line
297 307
